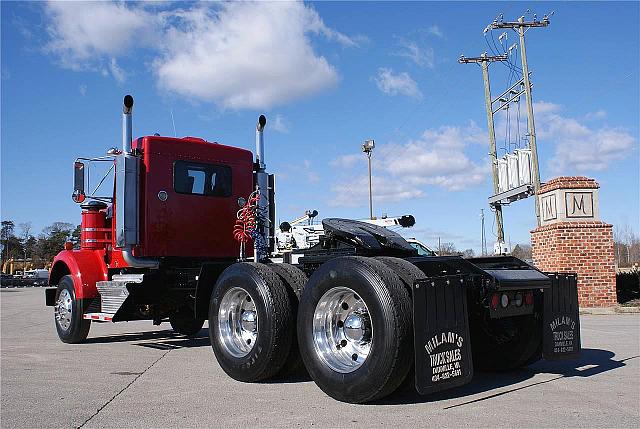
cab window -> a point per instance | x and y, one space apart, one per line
196 178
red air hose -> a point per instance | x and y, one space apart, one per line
247 219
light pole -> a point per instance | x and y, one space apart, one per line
367 148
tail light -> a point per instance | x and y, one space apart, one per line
504 300
495 300
528 298
517 299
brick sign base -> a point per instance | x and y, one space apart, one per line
583 246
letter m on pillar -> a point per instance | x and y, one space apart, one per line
549 207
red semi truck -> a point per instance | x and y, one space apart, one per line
187 235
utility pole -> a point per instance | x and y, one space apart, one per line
483 242
520 26
484 61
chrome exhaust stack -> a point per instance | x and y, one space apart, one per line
127 194
262 244
262 122
127 127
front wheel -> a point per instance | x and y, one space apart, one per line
68 310
354 329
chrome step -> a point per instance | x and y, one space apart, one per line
113 293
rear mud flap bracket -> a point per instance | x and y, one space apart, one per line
441 333
561 328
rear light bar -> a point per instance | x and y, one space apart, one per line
511 299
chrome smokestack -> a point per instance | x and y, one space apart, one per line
261 246
262 121
127 131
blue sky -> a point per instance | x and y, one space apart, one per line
328 75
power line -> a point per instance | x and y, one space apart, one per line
511 95
520 26
484 60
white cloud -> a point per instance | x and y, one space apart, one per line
83 33
355 192
311 175
235 54
402 171
435 30
397 83
83 89
423 57
436 158
117 73
347 161
280 124
577 146
247 55
598 114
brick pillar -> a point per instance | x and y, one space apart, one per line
572 238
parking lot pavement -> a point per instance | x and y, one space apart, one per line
137 375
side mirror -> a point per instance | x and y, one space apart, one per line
78 195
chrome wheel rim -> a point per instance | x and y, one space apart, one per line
342 330
237 322
64 309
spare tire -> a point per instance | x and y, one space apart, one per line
250 322
354 329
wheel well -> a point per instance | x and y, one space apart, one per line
58 271
207 279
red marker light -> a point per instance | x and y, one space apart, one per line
495 300
528 298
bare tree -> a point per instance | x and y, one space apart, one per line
447 248
522 251
626 245
25 227
468 253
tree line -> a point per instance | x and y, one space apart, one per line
626 246
20 243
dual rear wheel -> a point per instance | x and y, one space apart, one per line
350 325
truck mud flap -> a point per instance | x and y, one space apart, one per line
441 333
561 327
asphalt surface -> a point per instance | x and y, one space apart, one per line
138 375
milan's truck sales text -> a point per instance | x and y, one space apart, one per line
187 235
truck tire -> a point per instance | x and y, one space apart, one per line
505 344
354 329
295 280
184 323
407 272
250 322
68 311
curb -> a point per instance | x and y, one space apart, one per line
609 310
